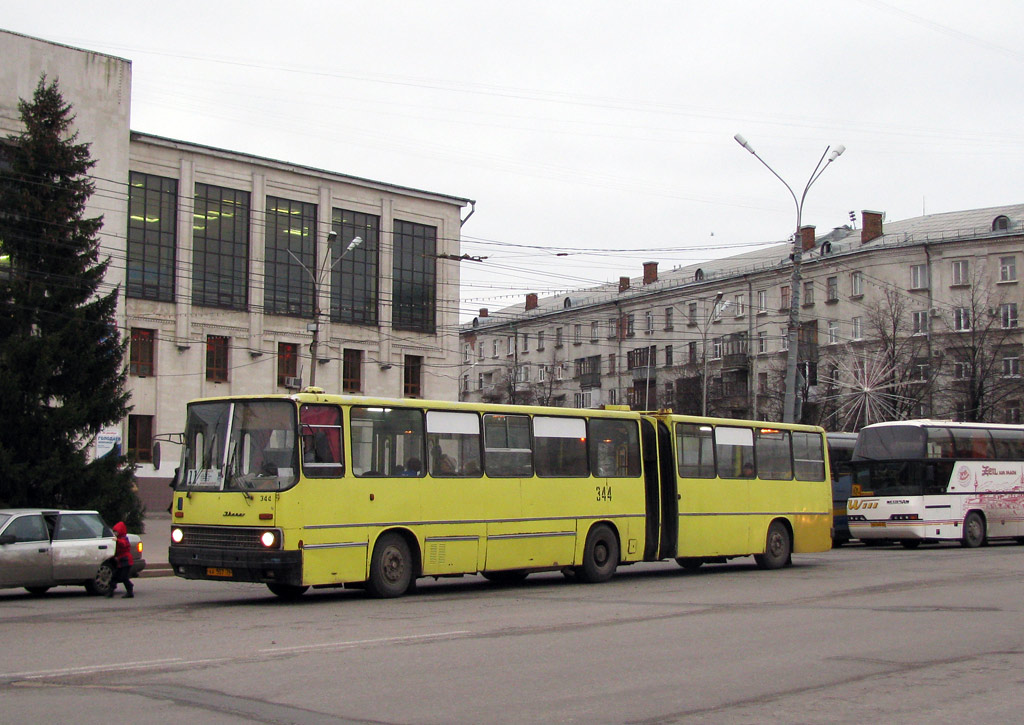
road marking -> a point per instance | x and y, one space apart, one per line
358 642
179 661
88 669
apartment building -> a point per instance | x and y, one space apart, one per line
897 319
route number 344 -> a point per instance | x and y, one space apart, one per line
604 493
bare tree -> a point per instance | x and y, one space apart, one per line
982 350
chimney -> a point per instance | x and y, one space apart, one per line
531 301
623 284
871 226
650 272
807 237
483 312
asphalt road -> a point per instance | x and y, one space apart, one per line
852 636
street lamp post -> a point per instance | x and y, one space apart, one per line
789 401
318 280
704 351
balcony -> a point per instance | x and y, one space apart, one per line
644 373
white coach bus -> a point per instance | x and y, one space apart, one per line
922 480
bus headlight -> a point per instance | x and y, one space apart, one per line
177 535
268 539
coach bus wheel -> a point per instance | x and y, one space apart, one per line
600 556
974 531
690 563
287 591
910 543
509 576
777 547
390 567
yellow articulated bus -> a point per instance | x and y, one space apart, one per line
324 491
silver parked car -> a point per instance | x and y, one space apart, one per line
43 548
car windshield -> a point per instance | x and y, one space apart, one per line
240 445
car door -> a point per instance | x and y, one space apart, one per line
81 542
25 552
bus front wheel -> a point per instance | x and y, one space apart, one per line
974 531
777 547
390 567
600 555
286 591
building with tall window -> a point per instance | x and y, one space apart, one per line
247 275
911 318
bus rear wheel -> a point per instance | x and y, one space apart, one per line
507 576
690 563
600 555
390 567
777 547
287 591
974 531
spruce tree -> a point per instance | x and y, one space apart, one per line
62 376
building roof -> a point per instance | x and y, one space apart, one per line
149 138
943 227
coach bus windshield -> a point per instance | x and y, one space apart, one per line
239 446
891 442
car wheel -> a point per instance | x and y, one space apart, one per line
103 582
37 590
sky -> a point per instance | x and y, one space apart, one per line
593 136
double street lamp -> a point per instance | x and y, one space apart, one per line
318 280
789 401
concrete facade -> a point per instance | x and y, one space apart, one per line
180 330
590 347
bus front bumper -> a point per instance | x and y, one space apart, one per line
874 530
264 567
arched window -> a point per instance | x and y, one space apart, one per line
698 276
567 303
1001 223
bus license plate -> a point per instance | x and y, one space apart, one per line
215 571
878 523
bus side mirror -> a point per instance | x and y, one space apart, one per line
156 455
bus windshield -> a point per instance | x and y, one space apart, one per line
239 445
889 443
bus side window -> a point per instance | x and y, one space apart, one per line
774 457
508 450
614 448
320 431
561 446
809 459
695 451
453 440
734 449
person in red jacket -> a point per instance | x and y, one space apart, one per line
123 557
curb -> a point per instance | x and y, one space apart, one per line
155 570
